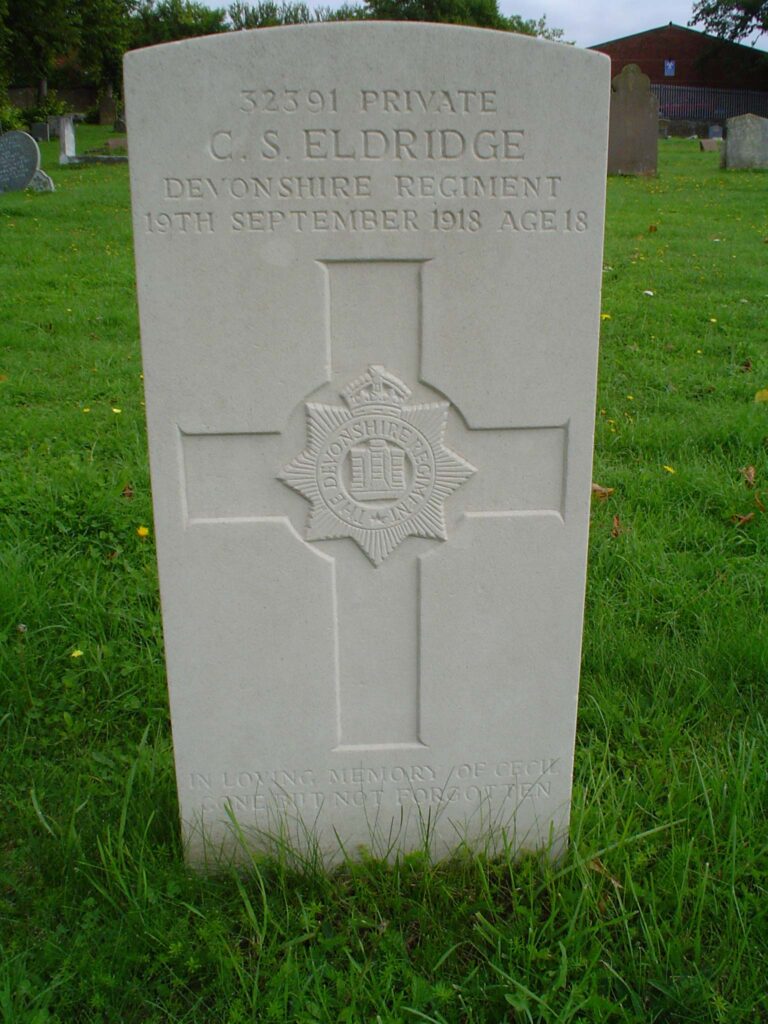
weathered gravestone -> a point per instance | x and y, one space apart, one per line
40 131
746 143
633 137
67 144
107 107
19 160
710 145
369 261
42 182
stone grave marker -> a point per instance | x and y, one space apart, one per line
40 131
107 107
746 143
633 138
42 182
369 267
67 144
710 145
19 160
715 131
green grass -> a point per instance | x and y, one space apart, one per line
659 912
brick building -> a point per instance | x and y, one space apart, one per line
696 76
673 55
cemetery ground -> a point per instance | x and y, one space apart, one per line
658 912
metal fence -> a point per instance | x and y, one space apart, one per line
696 103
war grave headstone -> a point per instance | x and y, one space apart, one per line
634 124
369 264
19 160
746 143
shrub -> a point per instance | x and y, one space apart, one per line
10 118
50 107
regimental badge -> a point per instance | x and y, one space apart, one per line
378 471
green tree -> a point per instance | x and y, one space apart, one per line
5 71
729 19
163 21
480 13
37 32
105 27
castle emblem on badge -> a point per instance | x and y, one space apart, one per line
377 471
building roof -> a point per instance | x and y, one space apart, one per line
680 28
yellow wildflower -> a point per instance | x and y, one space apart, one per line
142 531
76 653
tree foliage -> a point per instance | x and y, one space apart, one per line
105 34
38 31
479 13
731 19
4 40
163 21
93 35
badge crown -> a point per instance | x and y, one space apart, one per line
377 388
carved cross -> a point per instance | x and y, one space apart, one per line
389 480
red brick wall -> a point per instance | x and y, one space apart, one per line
699 59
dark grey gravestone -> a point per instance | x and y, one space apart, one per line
715 131
746 143
634 126
40 131
19 161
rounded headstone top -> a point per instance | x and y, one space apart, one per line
19 160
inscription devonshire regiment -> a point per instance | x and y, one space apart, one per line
391 148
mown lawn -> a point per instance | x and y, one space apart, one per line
659 911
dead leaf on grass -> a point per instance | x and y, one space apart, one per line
652 228
748 472
742 520
617 529
127 492
746 366
602 493
597 865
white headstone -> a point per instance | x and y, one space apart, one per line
67 144
369 262
19 160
